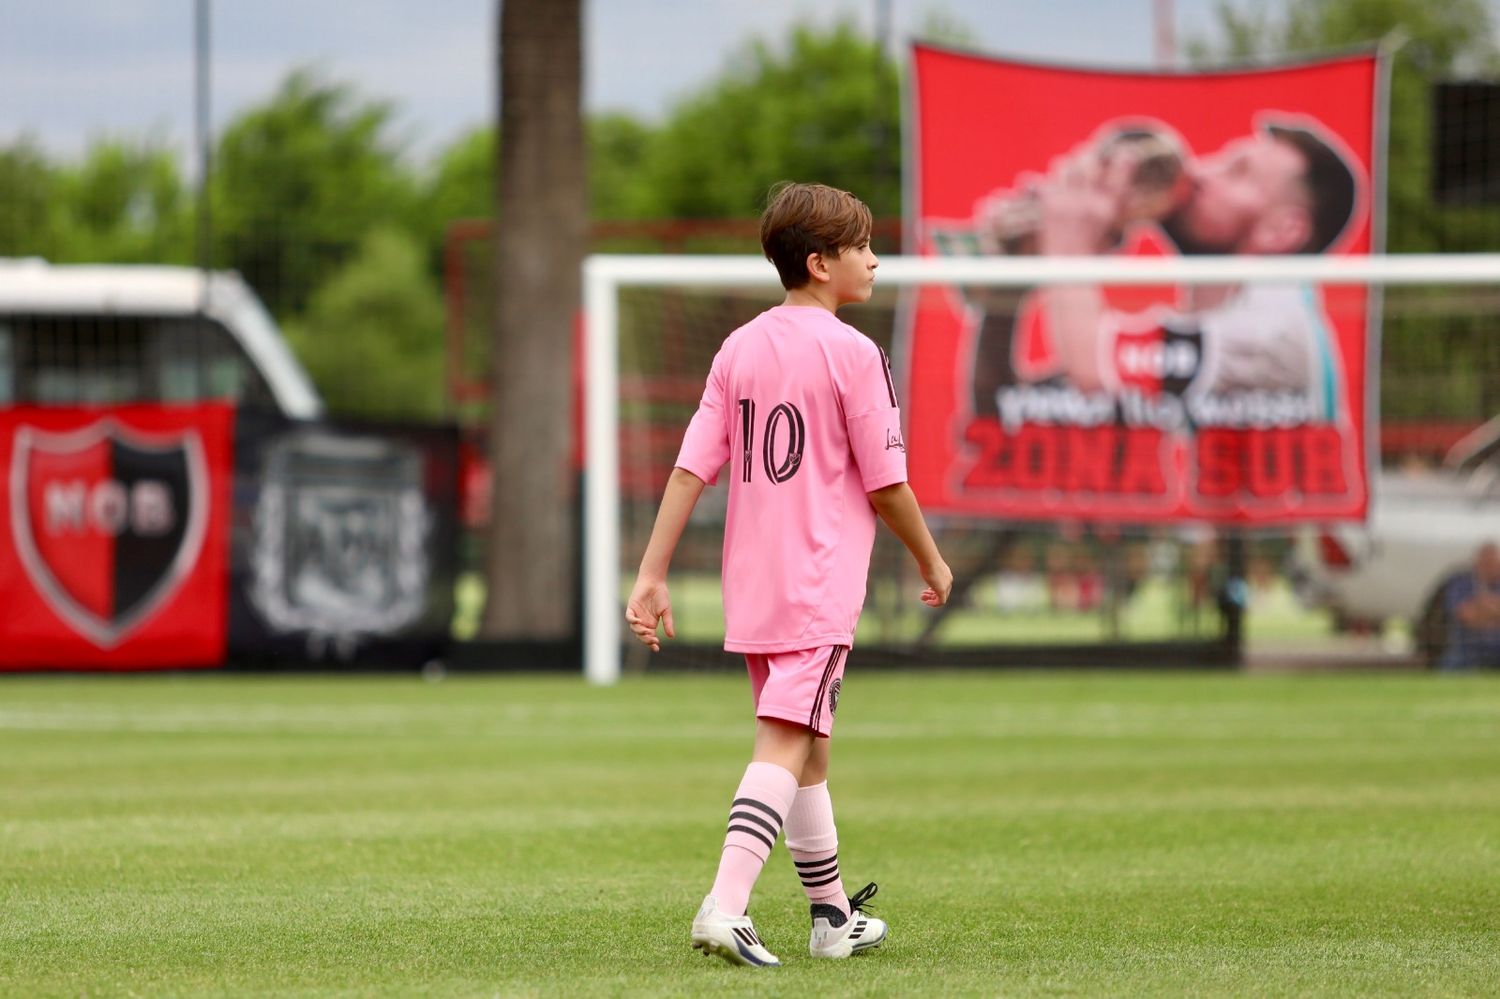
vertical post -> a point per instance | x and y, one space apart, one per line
456 303
203 129
884 169
1165 34
601 442
1233 595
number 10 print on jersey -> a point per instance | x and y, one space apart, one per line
781 461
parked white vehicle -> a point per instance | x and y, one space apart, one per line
1424 527
142 333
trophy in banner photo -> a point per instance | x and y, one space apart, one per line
1006 224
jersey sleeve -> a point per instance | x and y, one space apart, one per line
873 419
705 445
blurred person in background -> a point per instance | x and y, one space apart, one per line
1472 600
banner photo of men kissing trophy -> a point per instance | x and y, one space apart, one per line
1231 404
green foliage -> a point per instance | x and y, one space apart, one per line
1441 39
372 338
943 27
30 188
620 184
299 182
824 107
127 204
1033 834
124 202
461 186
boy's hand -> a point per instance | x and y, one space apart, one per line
939 579
649 604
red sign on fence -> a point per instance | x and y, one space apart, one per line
114 536
1231 404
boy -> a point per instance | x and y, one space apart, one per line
803 409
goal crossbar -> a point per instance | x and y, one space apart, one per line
605 274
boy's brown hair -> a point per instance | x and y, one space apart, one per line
809 218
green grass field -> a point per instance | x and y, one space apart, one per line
1057 834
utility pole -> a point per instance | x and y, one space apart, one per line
1164 33
203 135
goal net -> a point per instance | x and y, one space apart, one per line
1056 505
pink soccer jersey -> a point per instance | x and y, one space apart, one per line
802 407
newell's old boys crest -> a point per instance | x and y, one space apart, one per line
107 521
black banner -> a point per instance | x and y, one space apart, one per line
344 542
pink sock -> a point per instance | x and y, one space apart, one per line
760 805
813 842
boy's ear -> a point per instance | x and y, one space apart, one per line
817 267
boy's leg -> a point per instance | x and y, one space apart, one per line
812 837
760 807
815 770
795 696
838 930
804 686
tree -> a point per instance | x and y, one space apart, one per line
1441 39
125 203
620 187
372 339
28 223
542 202
298 183
822 108
461 186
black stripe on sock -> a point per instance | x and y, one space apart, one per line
814 863
819 884
822 867
757 804
819 869
807 876
752 817
751 831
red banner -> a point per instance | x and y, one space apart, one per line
114 536
1230 404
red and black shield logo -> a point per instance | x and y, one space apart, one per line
108 521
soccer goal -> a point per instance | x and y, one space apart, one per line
1081 476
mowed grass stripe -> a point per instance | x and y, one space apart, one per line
1032 834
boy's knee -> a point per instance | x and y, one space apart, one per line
783 743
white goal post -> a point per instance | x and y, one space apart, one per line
606 274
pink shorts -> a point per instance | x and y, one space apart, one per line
800 687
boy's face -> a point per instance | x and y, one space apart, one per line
851 275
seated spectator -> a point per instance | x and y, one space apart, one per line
1472 600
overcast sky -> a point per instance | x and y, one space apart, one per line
75 69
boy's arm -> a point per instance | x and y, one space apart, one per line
897 506
649 601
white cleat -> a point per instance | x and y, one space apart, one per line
731 937
836 935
